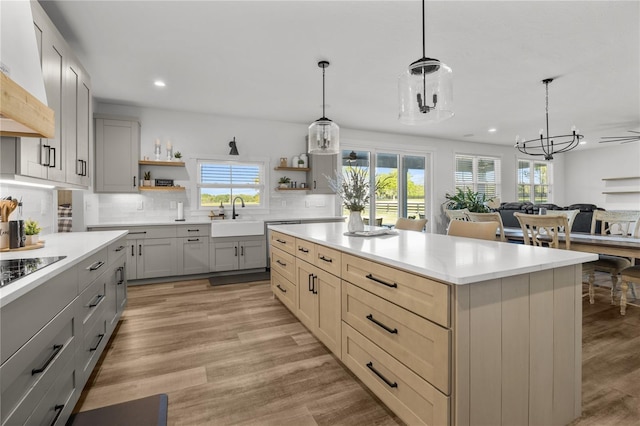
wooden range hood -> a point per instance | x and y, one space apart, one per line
22 114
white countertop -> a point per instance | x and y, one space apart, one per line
77 246
455 260
205 221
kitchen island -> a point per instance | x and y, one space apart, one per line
444 330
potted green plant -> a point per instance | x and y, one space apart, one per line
467 199
177 155
147 178
284 181
32 231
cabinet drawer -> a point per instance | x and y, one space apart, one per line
117 249
92 344
328 259
91 268
283 242
283 263
419 344
420 295
160 231
413 399
31 371
284 289
305 250
194 230
92 298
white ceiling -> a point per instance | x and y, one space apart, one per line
259 59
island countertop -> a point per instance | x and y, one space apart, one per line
76 246
455 260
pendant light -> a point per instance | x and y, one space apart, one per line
324 134
425 89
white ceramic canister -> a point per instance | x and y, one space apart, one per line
305 160
294 161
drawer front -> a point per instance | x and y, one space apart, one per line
32 370
283 263
328 259
117 250
92 298
413 399
203 230
91 268
56 406
283 242
420 295
305 250
419 344
140 233
23 318
285 290
93 342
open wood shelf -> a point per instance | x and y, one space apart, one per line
292 189
161 163
293 169
161 188
621 192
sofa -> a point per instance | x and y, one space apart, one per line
582 222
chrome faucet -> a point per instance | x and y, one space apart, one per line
233 207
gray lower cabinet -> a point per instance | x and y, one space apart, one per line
237 253
193 255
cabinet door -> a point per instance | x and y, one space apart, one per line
157 258
117 148
121 289
306 305
225 256
132 259
253 254
77 119
322 165
194 255
328 298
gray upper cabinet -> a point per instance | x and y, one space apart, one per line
116 159
77 127
321 166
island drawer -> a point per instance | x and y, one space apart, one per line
328 259
194 230
117 249
90 268
92 298
413 399
283 242
284 289
420 295
94 340
31 371
283 263
418 343
305 250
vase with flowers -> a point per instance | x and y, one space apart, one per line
352 185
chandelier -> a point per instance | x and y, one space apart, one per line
546 146
324 134
425 89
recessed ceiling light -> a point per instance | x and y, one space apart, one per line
493 130
159 83
583 142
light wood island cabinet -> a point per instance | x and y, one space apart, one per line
438 339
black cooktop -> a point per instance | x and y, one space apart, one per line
14 269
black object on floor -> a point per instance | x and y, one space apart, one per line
149 411
240 278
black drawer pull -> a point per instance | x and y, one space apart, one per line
193 230
384 379
120 248
95 266
326 259
309 281
97 300
58 409
56 351
54 157
372 278
281 289
281 242
120 282
193 239
302 249
100 337
280 263
48 155
315 277
379 324
137 232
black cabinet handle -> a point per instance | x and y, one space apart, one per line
100 337
139 249
48 155
95 266
137 232
314 184
97 300
119 248
85 165
384 379
241 250
302 249
315 277
133 248
120 279
134 181
309 282
193 230
379 324
58 409
281 289
372 278
56 351
280 263
79 162
281 242
193 239
54 157
326 259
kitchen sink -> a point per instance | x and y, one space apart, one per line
236 228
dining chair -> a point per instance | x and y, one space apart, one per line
411 224
628 276
622 223
470 229
543 230
488 217
365 220
460 214
569 214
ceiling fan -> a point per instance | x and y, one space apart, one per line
622 139
353 157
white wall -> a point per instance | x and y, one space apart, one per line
37 204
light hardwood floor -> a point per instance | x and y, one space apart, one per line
232 355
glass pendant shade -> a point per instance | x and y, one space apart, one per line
324 137
425 92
